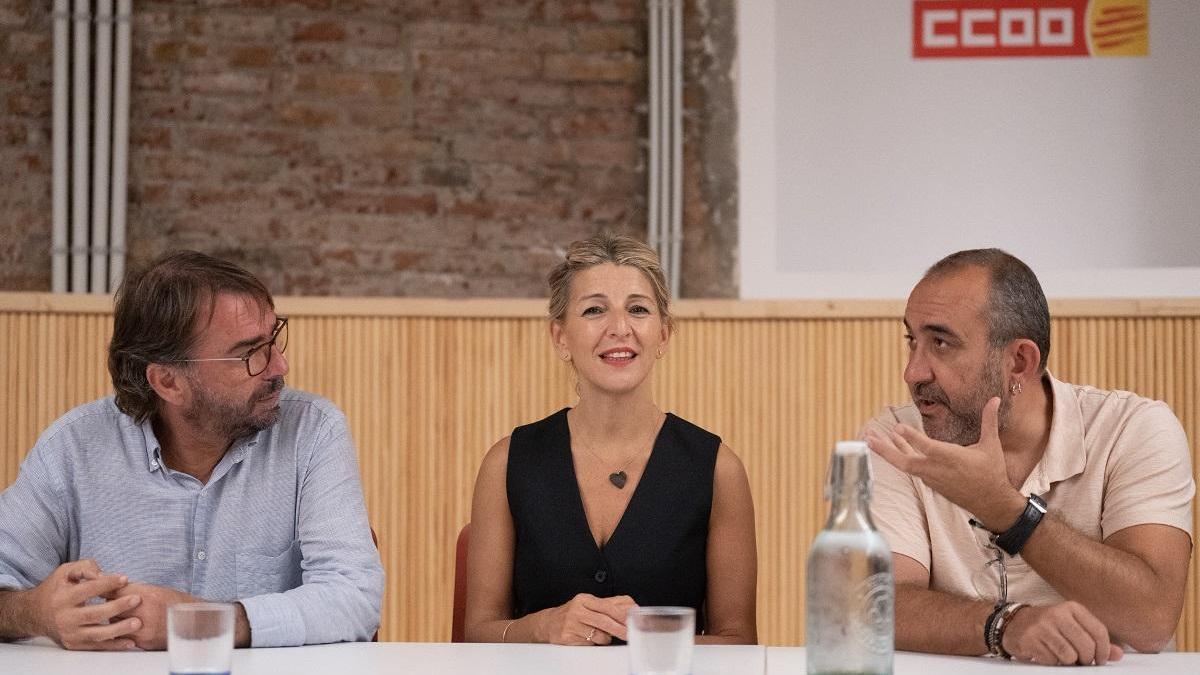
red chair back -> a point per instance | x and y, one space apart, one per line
375 539
460 585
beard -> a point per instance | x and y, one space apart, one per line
964 416
232 419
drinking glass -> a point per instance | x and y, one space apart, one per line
661 640
200 638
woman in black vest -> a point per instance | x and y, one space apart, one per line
611 503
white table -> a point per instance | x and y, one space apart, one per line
782 660
42 658
366 658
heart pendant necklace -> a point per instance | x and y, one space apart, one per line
618 478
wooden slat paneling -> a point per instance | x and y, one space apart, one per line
427 393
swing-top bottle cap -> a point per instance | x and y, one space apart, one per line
850 448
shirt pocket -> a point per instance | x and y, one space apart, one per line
259 573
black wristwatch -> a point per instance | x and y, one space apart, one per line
1014 538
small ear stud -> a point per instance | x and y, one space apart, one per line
1015 388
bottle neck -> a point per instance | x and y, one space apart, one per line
850 492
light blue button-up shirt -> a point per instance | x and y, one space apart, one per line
280 526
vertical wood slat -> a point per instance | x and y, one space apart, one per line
426 397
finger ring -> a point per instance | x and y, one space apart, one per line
590 634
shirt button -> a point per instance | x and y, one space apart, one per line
153 464
601 575
201 555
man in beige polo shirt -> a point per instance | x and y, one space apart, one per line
1027 517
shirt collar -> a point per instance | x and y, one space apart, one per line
154 462
1065 454
153 447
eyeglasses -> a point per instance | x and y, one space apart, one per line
259 357
982 579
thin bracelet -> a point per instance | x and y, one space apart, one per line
504 633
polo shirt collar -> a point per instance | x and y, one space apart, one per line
1065 454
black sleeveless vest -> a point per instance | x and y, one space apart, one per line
656 554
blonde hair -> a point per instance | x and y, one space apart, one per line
603 248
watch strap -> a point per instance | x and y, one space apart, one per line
1012 540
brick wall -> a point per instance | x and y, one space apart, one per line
383 147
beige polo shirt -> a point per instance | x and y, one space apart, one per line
1114 460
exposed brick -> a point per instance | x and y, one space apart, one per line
374 172
167 50
374 58
270 4
225 26
374 33
538 93
396 145
589 124
456 174
352 84
307 114
253 56
150 22
479 63
438 147
315 54
232 82
621 96
594 10
380 203
252 142
602 152
519 152
29 104
504 121
320 31
24 43
149 137
381 117
618 38
13 71
620 67
13 14
511 209
464 35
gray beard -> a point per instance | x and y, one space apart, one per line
963 424
229 420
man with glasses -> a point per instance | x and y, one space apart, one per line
1028 517
201 478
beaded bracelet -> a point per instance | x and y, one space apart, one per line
995 626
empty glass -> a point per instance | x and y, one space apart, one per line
661 640
200 638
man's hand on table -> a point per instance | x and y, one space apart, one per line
1062 634
150 612
58 608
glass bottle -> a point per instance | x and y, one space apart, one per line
850 601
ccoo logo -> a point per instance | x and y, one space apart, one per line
990 28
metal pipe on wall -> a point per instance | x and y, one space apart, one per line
665 170
120 142
79 197
664 148
654 113
676 238
102 133
58 240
